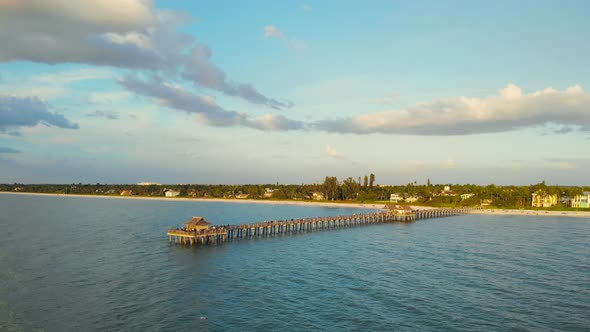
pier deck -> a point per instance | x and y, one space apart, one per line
219 234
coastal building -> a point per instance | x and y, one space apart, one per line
126 193
268 192
486 202
543 199
446 192
242 196
411 199
171 193
197 224
317 196
395 198
581 201
466 196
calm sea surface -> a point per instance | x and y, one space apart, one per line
86 264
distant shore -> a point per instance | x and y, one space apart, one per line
498 212
218 200
523 212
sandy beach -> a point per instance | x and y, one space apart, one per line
499 212
514 212
219 200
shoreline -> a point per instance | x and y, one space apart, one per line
214 200
531 213
497 212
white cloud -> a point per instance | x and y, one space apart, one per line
510 110
273 31
205 107
330 151
111 12
200 70
92 26
129 34
306 7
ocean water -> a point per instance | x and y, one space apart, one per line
93 264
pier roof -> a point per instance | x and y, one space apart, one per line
197 221
398 207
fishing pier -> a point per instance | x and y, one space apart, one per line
200 232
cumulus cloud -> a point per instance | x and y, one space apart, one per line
128 34
4 149
103 114
511 109
96 28
16 112
331 152
199 69
205 107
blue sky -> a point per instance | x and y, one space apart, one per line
287 91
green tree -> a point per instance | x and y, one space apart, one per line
349 189
330 187
371 180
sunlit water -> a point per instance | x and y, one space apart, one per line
84 264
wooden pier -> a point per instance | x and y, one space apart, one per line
218 234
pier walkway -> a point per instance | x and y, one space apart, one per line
219 234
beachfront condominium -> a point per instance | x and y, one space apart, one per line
581 201
543 199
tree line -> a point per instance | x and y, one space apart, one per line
363 189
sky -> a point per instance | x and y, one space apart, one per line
126 91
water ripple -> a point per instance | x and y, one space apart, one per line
97 264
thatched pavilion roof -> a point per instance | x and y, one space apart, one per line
197 221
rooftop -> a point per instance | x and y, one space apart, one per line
197 221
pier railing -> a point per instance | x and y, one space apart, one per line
303 225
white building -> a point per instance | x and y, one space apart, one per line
542 199
394 198
466 196
317 196
411 199
446 192
171 193
149 184
581 201
268 192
